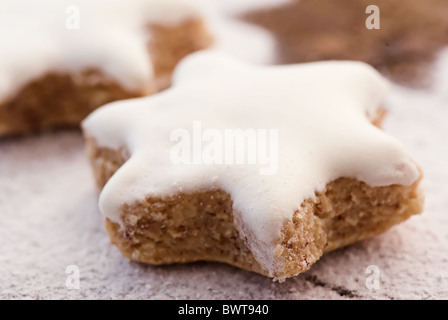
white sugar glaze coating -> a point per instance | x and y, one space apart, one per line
322 113
112 37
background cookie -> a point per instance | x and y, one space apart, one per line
59 61
411 34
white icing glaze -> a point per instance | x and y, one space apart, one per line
321 113
112 36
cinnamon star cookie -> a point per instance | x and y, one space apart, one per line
264 168
59 60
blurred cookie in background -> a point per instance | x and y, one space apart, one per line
410 35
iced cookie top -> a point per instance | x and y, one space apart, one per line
40 36
269 136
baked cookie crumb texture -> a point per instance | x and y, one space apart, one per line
107 57
340 179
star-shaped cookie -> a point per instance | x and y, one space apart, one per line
265 168
59 60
